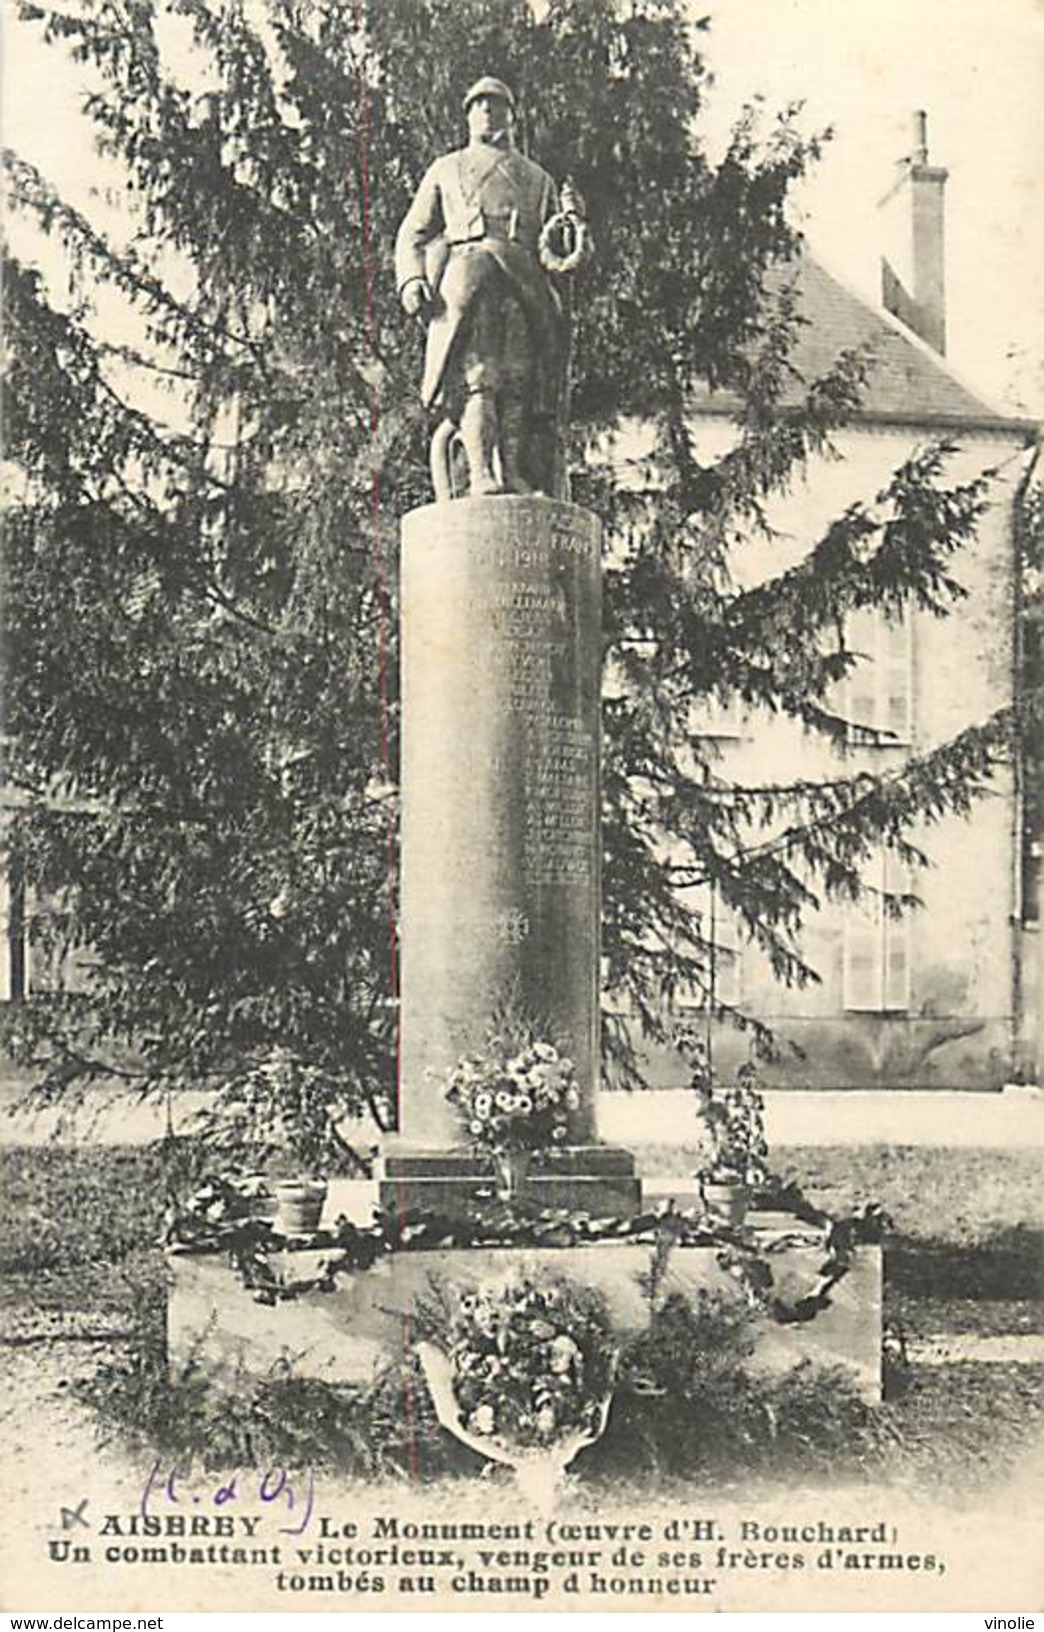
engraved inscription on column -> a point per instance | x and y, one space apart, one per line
559 805
531 624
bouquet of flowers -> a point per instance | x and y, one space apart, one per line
518 1095
530 1366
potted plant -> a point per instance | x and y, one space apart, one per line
515 1099
278 1114
732 1135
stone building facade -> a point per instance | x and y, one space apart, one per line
948 996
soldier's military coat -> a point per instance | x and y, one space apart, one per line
477 218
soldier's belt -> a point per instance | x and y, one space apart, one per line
499 239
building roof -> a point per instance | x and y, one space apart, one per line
908 382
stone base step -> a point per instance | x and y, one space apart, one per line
582 1178
400 1159
599 1194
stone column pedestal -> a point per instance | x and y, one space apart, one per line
501 702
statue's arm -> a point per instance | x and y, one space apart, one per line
422 222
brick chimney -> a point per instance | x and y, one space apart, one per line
913 268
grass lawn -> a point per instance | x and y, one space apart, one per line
80 1229
79 1234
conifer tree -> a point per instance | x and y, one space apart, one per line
202 711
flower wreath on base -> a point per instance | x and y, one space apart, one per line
221 1218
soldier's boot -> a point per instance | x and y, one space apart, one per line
513 447
478 433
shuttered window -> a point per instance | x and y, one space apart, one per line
876 946
880 685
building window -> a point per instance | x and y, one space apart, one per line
879 689
877 946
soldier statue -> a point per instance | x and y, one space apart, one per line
477 259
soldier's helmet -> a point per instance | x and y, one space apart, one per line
489 86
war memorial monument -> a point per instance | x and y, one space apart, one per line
501 654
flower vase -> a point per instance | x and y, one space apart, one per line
512 1167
